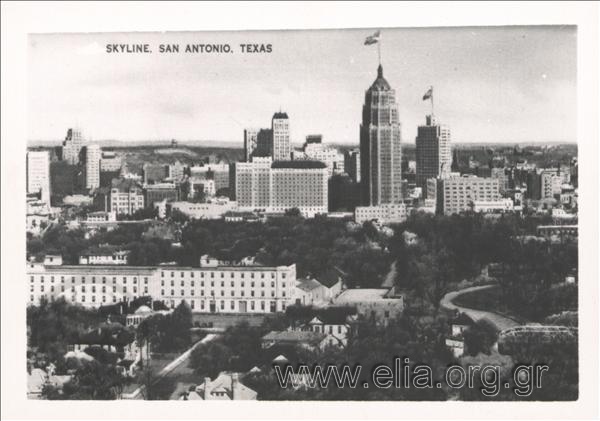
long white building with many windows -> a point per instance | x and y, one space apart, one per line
212 287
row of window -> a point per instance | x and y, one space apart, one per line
93 289
212 293
212 283
223 274
93 279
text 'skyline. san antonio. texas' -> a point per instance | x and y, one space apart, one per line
184 271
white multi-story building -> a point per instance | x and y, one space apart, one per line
212 287
126 196
253 184
215 209
93 157
38 174
280 125
104 257
282 185
299 184
459 194
393 213
316 151
493 206
71 147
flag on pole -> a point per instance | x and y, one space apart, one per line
372 39
428 94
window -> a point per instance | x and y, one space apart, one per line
162 292
182 282
172 292
182 274
262 305
222 305
172 283
146 280
232 305
93 288
124 289
114 289
145 290
82 288
31 278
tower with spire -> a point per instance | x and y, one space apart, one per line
380 145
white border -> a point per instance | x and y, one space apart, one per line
18 19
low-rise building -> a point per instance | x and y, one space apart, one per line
159 192
104 256
493 206
303 339
226 387
214 209
393 213
379 305
311 292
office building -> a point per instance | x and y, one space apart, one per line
268 186
393 213
159 192
92 166
299 184
380 145
459 194
250 143
433 156
126 196
38 174
72 146
315 150
280 126
252 183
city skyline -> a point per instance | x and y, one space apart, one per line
512 84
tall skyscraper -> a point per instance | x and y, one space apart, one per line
380 145
250 142
38 174
280 125
93 156
434 158
72 146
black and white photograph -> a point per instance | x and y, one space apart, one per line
383 213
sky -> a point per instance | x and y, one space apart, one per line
491 84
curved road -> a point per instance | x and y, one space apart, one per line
500 322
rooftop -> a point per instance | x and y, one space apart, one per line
361 295
298 164
280 115
295 336
380 83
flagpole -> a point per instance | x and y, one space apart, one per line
379 51
432 101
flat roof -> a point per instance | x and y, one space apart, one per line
361 294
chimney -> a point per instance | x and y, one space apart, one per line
235 387
206 388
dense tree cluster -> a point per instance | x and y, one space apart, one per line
167 333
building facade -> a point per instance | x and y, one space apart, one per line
459 194
250 142
299 184
380 145
433 155
93 157
38 174
71 147
280 126
159 192
126 196
212 287
385 214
